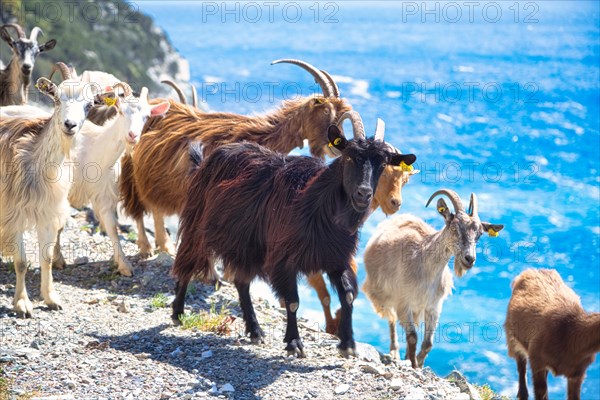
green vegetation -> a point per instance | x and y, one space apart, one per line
160 300
486 393
4 386
102 35
208 321
132 236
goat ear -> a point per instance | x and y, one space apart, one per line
492 229
318 100
49 45
336 138
160 109
442 208
398 159
47 87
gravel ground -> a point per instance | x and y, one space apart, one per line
108 342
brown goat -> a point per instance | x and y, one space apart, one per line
156 176
388 196
546 323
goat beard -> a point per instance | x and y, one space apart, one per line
459 271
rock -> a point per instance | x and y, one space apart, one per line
213 389
341 389
164 260
123 306
376 370
396 384
82 260
366 352
465 387
416 393
207 354
227 388
177 353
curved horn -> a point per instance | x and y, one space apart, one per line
456 202
320 78
379 129
473 207
126 88
357 124
336 89
34 33
64 71
194 97
177 90
144 94
17 29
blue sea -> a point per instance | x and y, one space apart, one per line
497 98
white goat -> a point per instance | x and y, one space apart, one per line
15 78
99 151
34 182
407 268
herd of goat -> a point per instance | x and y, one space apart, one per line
262 213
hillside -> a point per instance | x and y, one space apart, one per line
103 35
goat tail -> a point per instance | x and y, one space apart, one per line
132 205
195 154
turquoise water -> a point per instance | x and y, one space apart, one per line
504 104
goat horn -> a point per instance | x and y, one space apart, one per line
194 97
473 207
126 88
336 89
357 124
64 71
144 93
34 33
380 129
320 78
17 29
177 90
456 202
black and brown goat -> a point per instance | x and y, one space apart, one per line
155 178
273 216
546 324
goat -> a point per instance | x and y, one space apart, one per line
546 323
156 176
101 147
180 94
275 216
32 194
388 196
15 78
406 261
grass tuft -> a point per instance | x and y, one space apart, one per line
160 300
209 321
486 393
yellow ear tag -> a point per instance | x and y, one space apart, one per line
441 209
110 101
492 233
406 168
336 142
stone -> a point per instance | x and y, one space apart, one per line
82 260
366 352
123 306
227 388
341 389
207 354
396 384
465 387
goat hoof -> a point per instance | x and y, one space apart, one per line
59 263
257 337
347 349
175 318
295 348
24 308
125 270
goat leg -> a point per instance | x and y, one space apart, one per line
393 341
252 327
58 261
523 394
411 340
108 219
574 387
179 302
285 284
21 303
318 283
344 282
46 237
431 320
540 380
